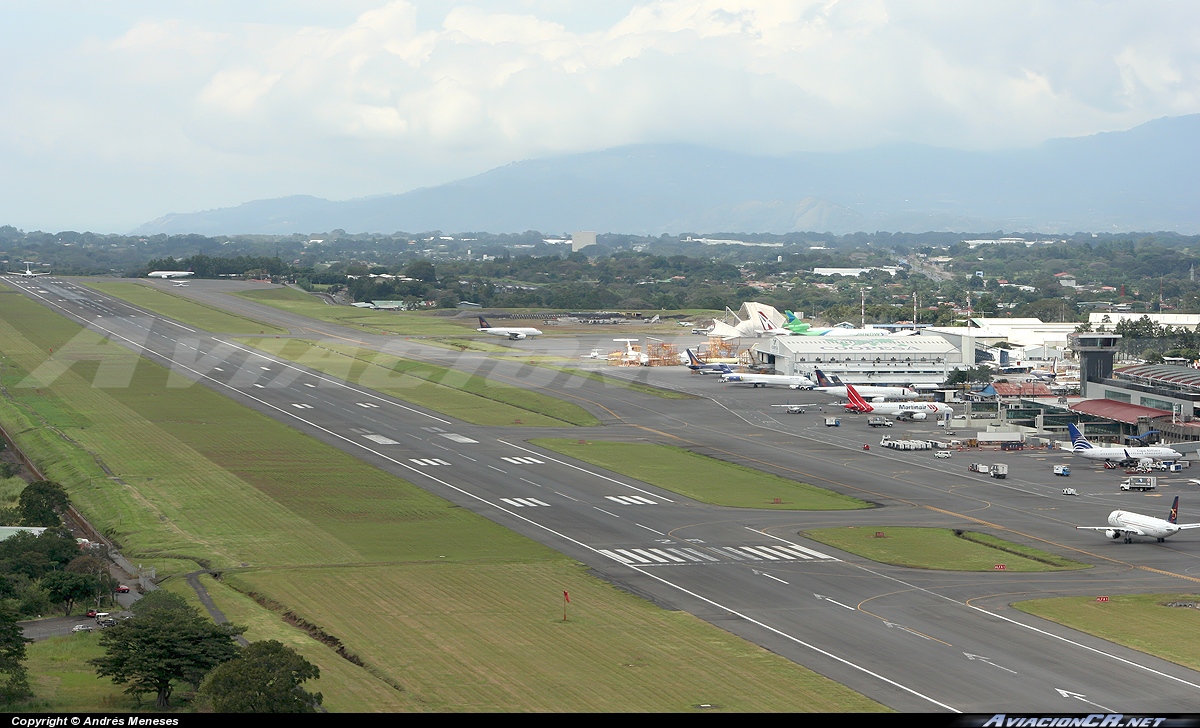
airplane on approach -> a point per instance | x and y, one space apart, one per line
874 394
1123 524
512 332
170 274
797 381
1080 446
903 411
27 273
694 363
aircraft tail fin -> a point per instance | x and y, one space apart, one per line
822 380
1174 517
693 360
856 399
483 324
1078 441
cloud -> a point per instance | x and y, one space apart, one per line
399 96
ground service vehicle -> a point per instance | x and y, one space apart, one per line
942 454
832 422
999 470
1140 482
978 468
879 422
1062 470
1070 491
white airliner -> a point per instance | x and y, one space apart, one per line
632 356
903 411
768 327
170 274
27 273
1080 446
875 394
512 332
797 381
1126 525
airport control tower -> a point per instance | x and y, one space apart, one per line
1096 352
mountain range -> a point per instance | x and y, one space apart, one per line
1141 179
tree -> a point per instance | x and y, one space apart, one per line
266 678
67 588
41 502
161 645
12 658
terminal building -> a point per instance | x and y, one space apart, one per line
881 360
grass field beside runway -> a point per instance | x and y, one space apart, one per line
462 395
204 477
940 548
385 567
183 310
1138 621
454 652
364 319
702 478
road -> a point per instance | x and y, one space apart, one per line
914 640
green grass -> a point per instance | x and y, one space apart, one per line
375 322
469 345
387 568
63 681
184 310
467 397
940 548
452 651
702 478
1137 621
610 381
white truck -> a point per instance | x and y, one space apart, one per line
1140 482
879 421
978 468
999 470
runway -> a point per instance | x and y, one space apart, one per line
914 640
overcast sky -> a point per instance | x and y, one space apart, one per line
115 112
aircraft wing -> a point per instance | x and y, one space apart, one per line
1123 531
1185 526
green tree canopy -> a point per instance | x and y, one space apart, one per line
67 588
161 645
15 685
266 678
42 502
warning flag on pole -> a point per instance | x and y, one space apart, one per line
567 597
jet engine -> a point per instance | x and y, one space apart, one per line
1112 534
919 415
517 336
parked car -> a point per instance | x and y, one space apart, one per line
122 589
110 622
943 454
82 628
91 613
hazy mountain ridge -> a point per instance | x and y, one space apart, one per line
1141 179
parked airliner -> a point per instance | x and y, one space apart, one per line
797 381
904 411
1080 446
870 392
1126 525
